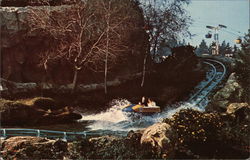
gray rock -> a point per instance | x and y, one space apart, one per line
33 148
161 138
233 107
14 23
230 92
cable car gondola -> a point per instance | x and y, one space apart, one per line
208 35
238 41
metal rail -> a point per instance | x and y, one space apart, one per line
200 95
10 132
208 82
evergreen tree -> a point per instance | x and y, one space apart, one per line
243 67
228 50
222 48
235 51
203 48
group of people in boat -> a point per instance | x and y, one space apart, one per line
147 102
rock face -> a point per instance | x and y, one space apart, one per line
13 25
21 50
32 148
235 132
161 138
231 92
35 111
235 107
11 89
23 3
110 147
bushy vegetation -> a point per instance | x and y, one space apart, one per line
243 67
194 126
210 135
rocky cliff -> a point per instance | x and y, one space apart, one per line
230 93
21 50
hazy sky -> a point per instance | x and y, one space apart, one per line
232 13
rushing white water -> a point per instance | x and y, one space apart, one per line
107 120
115 120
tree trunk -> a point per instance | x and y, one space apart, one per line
144 70
74 83
105 74
107 50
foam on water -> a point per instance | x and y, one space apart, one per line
116 120
108 119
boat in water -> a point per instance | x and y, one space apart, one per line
138 108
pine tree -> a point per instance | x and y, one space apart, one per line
222 48
203 48
235 51
243 67
228 50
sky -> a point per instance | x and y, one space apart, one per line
232 13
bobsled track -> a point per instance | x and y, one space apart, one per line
116 122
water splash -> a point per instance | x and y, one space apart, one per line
116 120
109 118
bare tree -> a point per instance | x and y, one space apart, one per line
86 34
165 20
119 19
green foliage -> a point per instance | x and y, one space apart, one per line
165 21
194 126
225 49
203 48
243 67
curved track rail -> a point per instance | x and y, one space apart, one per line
218 72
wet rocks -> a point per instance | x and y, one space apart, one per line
110 147
235 107
39 110
231 92
161 138
32 148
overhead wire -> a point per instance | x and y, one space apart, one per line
230 32
198 23
213 23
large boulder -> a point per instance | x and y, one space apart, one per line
212 135
235 132
234 107
32 148
110 147
231 92
161 138
17 113
39 110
